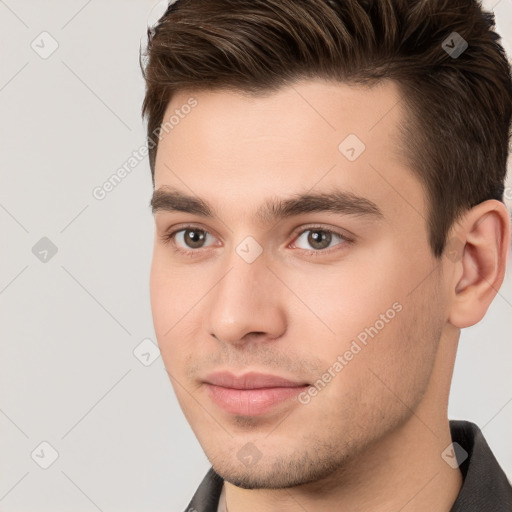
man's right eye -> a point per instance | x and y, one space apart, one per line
187 239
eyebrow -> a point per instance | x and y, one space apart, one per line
340 202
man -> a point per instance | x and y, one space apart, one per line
328 183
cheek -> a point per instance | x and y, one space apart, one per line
171 293
170 299
375 377
159 291
398 356
367 318
345 300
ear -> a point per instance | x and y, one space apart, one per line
478 248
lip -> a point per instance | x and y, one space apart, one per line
251 380
250 394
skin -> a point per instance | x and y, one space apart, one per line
372 439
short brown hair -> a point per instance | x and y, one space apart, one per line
457 132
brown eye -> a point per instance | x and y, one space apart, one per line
318 239
193 238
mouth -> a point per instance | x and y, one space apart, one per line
251 394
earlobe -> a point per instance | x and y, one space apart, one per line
482 243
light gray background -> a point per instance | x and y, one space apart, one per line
68 374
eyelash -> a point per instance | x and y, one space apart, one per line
166 238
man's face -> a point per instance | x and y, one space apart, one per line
345 303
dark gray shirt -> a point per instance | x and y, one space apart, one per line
485 487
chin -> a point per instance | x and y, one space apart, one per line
279 474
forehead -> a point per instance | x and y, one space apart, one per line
311 135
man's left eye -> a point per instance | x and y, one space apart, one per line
319 238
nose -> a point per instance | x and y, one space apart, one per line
247 303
